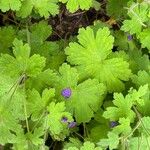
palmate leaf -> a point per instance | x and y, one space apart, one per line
39 32
124 104
142 78
123 127
58 129
92 58
74 5
5 5
22 63
144 37
112 141
86 97
43 7
138 12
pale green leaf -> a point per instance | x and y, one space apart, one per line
92 58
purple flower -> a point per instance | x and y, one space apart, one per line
66 93
113 124
129 37
64 119
72 124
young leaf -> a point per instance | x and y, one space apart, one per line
138 12
85 98
92 58
57 126
124 104
123 108
123 127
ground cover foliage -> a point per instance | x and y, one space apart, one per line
74 74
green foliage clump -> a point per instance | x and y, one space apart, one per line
87 92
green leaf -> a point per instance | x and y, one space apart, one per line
99 132
58 129
145 128
142 78
39 33
73 5
138 13
92 58
35 137
11 109
122 42
21 63
36 104
144 37
124 104
140 142
12 96
112 141
5 5
43 7
138 61
123 127
89 146
7 124
47 78
7 36
123 108
116 9
26 8
73 142
86 97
